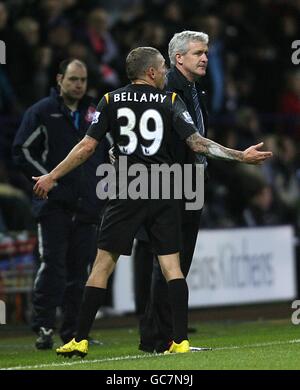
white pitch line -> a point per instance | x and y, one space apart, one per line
136 357
258 345
117 358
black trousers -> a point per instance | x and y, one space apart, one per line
67 247
156 324
143 266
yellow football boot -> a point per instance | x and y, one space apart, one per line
182 347
74 348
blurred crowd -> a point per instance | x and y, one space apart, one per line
252 85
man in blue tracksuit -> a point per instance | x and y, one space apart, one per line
67 220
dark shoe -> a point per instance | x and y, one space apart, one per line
146 348
159 347
45 340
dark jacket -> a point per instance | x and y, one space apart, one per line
45 137
176 82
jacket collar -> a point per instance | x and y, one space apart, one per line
180 82
183 87
84 103
177 79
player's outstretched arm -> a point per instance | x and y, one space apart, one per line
209 148
78 155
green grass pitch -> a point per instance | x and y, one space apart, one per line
235 345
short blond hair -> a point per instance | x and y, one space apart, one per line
139 60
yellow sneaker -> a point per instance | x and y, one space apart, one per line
182 347
74 348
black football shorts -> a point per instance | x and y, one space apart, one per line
123 218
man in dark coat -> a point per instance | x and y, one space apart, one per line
188 57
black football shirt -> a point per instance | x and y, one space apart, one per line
141 119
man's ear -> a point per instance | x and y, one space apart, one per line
179 59
59 78
152 73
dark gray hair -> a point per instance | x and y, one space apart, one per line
180 41
139 60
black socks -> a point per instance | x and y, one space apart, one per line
179 296
93 298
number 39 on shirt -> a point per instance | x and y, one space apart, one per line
155 135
